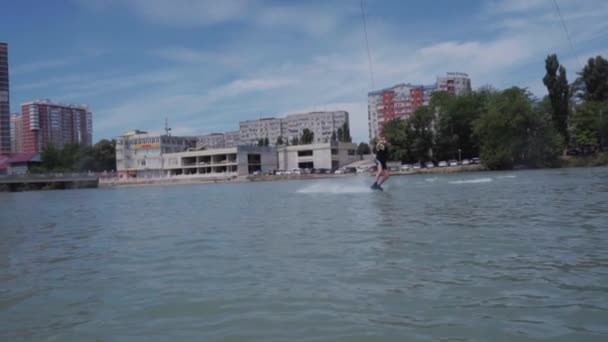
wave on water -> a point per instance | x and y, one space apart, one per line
324 188
471 181
507 176
431 179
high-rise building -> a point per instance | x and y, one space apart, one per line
46 123
5 115
321 124
456 83
232 139
16 133
251 131
402 100
218 140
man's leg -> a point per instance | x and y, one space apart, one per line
385 175
378 175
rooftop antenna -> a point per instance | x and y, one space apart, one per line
167 129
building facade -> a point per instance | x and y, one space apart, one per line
218 140
16 133
46 123
321 124
232 139
456 83
221 162
5 115
143 155
251 131
140 154
402 100
329 155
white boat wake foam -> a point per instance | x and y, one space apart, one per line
471 181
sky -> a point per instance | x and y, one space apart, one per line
206 64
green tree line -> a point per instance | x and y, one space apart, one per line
79 158
509 127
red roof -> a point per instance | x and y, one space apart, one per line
23 157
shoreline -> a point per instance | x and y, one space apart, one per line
270 178
565 162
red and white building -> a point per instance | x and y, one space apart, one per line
402 100
45 123
5 115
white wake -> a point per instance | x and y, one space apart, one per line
471 181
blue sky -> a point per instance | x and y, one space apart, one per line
206 64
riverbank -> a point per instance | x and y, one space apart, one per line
598 159
265 178
566 161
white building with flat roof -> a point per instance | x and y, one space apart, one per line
321 124
140 154
329 155
231 161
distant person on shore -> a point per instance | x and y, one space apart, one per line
381 150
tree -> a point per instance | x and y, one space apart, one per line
513 131
295 141
50 158
585 122
261 142
266 141
105 155
340 134
422 135
346 133
334 136
308 136
593 80
559 94
363 149
280 140
396 132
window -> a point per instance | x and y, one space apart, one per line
351 152
305 153
334 151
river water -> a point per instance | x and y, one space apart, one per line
474 256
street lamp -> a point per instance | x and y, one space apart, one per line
459 158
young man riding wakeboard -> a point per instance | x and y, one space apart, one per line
382 174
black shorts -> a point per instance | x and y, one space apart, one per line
381 162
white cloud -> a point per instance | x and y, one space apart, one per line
504 44
180 54
198 13
40 65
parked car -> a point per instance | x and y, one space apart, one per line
442 163
416 166
453 162
475 161
466 162
257 173
339 171
406 167
429 165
